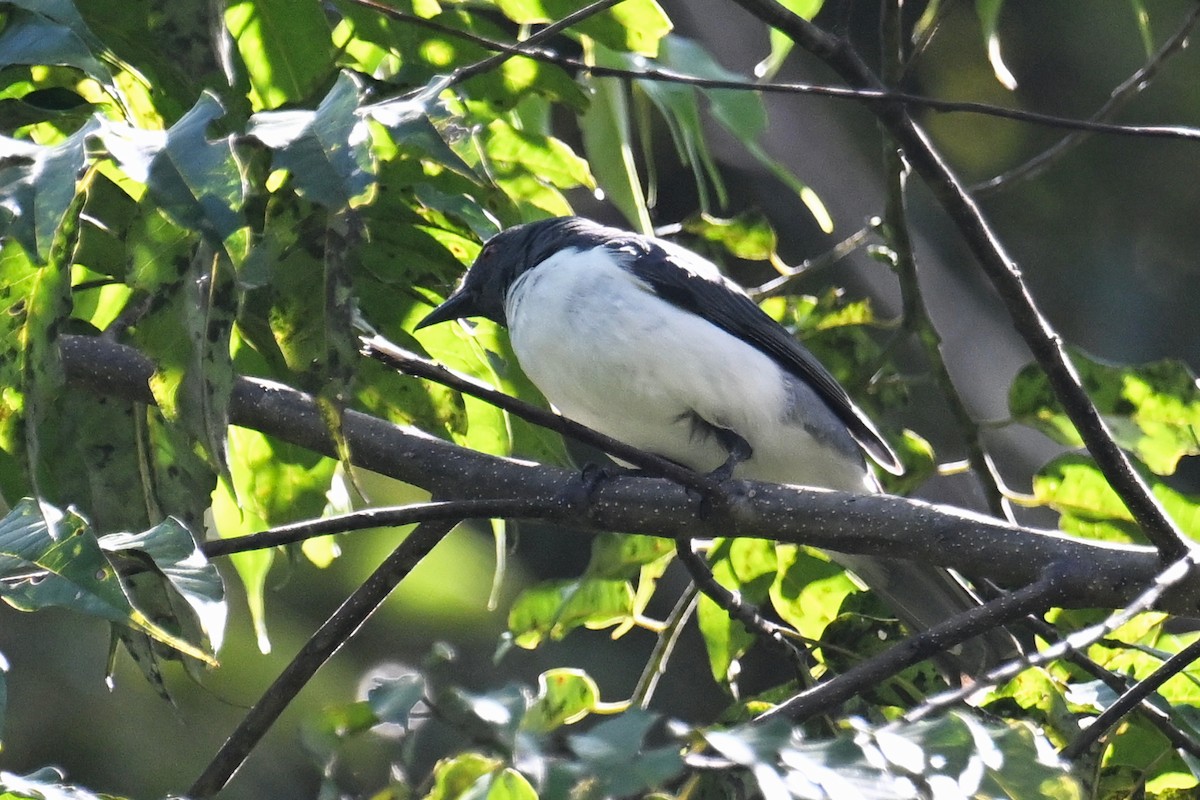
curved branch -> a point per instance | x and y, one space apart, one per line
1099 574
1001 270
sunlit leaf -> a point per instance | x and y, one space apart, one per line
198 182
51 558
1152 409
37 185
285 47
989 21
635 25
781 43
325 151
564 696
608 143
1075 487
551 610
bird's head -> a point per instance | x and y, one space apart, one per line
505 257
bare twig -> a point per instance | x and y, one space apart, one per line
1160 719
868 96
343 624
656 664
1130 88
826 697
390 517
1131 700
1042 340
740 610
1080 640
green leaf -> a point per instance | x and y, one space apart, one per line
326 152
749 236
564 696
781 43
174 552
553 609
1073 486
37 186
197 182
1142 15
508 784
1153 409
808 590
989 22
958 751
741 113
622 556
51 32
607 142
52 558
453 777
616 754
745 567
285 47
635 25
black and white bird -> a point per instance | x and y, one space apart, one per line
648 343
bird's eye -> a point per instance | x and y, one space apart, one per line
488 251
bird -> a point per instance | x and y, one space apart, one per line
647 342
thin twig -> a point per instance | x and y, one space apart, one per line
868 96
740 610
916 320
521 48
668 637
335 632
1078 641
1131 700
1160 719
1042 340
827 696
1130 88
779 285
390 517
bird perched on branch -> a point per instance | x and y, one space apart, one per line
648 343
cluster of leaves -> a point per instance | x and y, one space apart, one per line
229 215
526 753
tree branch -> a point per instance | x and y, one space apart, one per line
828 696
1005 276
1098 574
335 632
1131 700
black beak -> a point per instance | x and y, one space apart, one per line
456 306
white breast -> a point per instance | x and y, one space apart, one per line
609 353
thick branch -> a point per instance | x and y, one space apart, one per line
1096 574
1000 269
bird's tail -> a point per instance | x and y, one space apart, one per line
922 596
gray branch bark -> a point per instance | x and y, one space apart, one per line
1093 574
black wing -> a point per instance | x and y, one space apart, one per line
721 302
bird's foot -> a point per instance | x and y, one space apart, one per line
581 491
716 503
